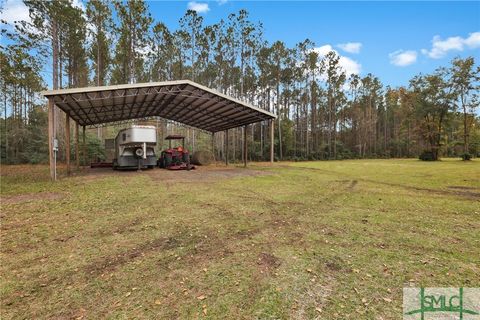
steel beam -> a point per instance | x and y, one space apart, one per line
163 96
170 111
232 125
233 120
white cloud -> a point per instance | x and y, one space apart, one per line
349 65
473 40
402 58
197 6
351 47
79 4
324 50
440 47
15 10
221 2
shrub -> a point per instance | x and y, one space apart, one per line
427 156
466 156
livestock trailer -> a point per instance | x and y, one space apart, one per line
135 148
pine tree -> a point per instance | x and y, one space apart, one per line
134 26
191 26
100 23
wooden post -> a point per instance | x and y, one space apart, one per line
51 136
245 146
213 147
67 142
272 140
84 148
226 147
77 158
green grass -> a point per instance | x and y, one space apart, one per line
329 240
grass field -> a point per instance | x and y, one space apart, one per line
327 240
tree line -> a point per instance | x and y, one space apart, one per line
323 112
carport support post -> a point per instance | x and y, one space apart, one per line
84 147
272 132
213 146
77 159
226 147
67 141
51 136
245 146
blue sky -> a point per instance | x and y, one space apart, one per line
389 32
392 40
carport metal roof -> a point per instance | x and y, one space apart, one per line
182 101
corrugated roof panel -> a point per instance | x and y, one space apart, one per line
183 101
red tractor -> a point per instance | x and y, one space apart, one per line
177 158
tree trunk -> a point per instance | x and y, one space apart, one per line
279 114
465 130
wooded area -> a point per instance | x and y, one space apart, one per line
323 113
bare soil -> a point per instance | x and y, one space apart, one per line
31 197
199 174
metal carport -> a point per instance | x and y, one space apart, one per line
182 101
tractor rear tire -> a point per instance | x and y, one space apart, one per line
167 160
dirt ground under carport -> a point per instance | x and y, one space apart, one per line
199 174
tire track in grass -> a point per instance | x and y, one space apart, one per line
456 192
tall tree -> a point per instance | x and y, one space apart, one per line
99 16
191 25
133 29
433 101
58 29
162 54
279 52
75 54
335 79
465 77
